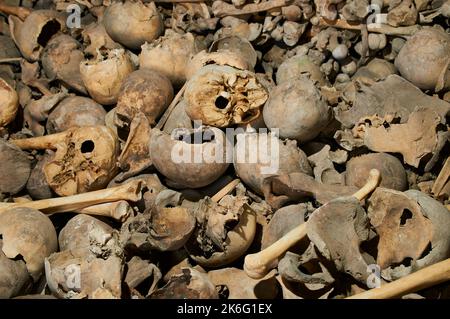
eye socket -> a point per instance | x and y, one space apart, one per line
407 214
221 102
87 146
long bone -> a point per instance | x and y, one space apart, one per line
421 279
84 203
259 264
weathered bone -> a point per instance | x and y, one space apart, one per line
225 190
170 108
21 12
295 186
40 142
119 210
377 28
424 278
130 191
222 9
257 265
442 178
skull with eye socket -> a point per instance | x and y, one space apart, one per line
221 96
85 160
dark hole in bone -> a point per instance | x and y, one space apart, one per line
1 236
221 102
405 262
371 246
145 285
18 258
426 251
405 216
223 291
230 225
48 30
386 125
264 288
87 146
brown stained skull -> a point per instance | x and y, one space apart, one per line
145 91
393 175
14 277
32 35
240 286
14 169
84 161
281 157
9 101
169 55
224 231
165 227
61 60
222 96
90 263
132 23
29 235
398 220
103 76
337 229
186 162
190 284
97 41
71 275
75 111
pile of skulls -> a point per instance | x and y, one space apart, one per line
116 176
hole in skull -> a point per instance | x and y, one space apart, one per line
18 257
405 262
48 30
221 102
426 251
223 291
87 146
405 216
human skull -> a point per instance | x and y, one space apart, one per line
84 161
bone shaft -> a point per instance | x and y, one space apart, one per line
421 279
112 209
258 265
372 183
376 28
442 178
20 12
251 8
40 142
225 191
129 191
278 248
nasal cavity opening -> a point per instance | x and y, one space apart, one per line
221 102
87 146
48 30
405 216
